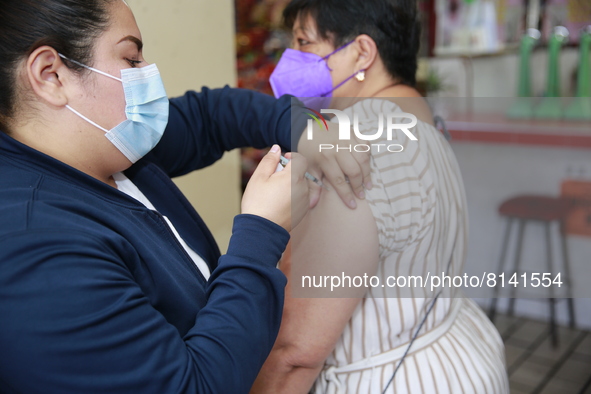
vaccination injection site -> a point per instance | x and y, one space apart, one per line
295 196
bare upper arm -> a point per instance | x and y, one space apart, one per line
332 241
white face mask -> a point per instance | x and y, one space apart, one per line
146 110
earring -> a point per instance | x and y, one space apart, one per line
360 76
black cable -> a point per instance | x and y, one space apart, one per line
440 123
411 342
416 334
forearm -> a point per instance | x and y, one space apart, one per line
103 311
309 332
204 125
278 375
245 301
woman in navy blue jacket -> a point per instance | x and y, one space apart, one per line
109 279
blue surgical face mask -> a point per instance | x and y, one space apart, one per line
146 110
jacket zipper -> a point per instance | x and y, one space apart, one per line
180 246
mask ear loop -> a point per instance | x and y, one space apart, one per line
325 58
90 68
341 84
86 119
96 71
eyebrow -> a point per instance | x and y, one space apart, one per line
133 39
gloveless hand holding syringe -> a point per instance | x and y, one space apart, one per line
283 162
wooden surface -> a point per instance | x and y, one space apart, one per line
497 128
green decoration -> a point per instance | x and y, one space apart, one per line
550 107
580 108
523 108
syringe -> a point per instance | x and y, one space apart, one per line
309 176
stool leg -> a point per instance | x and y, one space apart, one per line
493 306
517 263
567 278
552 301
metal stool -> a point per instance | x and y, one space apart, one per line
545 210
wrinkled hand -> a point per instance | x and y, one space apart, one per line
349 173
281 197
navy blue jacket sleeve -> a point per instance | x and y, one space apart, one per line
203 125
73 314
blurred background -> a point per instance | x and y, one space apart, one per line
511 78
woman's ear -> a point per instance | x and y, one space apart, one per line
44 68
368 51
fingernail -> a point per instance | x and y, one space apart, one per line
369 185
362 195
275 148
353 204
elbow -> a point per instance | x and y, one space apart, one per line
307 356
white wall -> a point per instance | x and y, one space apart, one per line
192 42
495 172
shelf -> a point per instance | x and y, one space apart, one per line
450 52
498 129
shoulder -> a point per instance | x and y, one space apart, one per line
414 105
16 196
409 100
31 201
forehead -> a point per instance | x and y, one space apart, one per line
121 22
305 23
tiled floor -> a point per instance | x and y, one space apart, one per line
534 366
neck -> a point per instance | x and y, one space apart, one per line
373 86
86 151
380 85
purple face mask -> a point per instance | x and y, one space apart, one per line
306 76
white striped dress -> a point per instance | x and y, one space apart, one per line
419 206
